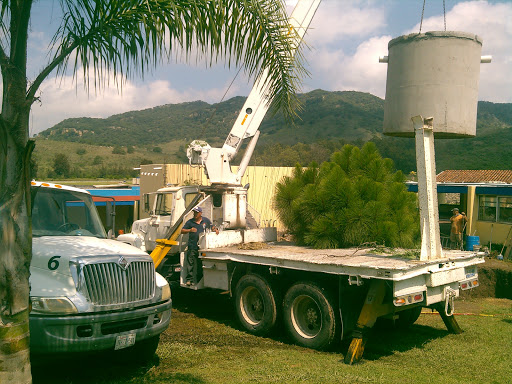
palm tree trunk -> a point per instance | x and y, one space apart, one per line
15 255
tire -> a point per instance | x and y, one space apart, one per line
310 316
255 304
403 320
407 318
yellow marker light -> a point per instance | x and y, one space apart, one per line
399 301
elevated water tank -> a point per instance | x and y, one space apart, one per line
433 74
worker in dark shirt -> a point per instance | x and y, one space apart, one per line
194 227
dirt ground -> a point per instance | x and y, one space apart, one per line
495 278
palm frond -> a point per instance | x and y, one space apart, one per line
127 37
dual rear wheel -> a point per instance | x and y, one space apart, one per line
256 304
308 311
310 316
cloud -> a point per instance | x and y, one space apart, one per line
492 23
63 99
342 20
338 67
346 39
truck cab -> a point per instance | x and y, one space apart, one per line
225 206
89 293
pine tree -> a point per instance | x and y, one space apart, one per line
354 198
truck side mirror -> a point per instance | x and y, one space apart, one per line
110 220
146 202
108 209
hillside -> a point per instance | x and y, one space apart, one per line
328 120
348 115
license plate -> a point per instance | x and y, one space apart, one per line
125 341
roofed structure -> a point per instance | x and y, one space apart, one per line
475 176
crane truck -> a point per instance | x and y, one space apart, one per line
320 295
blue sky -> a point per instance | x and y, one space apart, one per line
345 40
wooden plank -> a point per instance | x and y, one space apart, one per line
508 244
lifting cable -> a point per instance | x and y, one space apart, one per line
423 12
221 100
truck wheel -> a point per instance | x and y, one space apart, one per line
310 316
255 303
408 317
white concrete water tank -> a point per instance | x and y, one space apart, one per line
433 74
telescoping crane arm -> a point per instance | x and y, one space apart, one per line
217 160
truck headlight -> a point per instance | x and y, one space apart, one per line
52 305
166 292
164 287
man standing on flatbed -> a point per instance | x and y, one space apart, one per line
458 221
194 227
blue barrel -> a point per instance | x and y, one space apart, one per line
471 241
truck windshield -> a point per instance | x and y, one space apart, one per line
164 204
58 212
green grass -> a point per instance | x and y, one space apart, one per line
205 345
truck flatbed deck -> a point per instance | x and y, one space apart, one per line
366 263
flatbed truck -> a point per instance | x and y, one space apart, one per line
323 296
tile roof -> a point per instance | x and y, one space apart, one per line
475 176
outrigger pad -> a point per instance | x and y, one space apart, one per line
449 321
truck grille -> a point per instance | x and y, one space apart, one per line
108 283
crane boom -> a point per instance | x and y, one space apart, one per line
217 160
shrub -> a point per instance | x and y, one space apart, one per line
98 160
118 150
354 198
61 166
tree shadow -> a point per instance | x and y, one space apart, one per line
207 304
382 343
85 368
100 367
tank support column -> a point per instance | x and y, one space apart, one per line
372 309
427 189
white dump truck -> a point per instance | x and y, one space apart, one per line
88 292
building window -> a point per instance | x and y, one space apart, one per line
487 209
495 209
505 209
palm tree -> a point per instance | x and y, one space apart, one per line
124 38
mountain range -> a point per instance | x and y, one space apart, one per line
341 117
